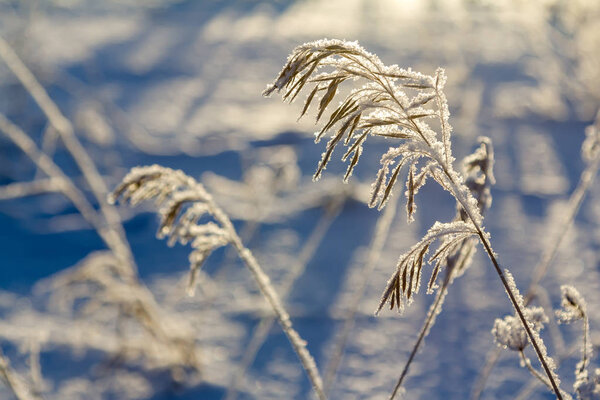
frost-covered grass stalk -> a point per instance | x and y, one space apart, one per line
184 204
509 334
397 104
478 171
590 153
309 249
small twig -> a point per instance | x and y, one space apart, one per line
533 371
382 228
574 204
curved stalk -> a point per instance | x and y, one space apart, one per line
574 204
509 291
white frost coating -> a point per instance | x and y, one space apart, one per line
399 102
171 189
509 332
574 308
535 333
588 388
591 146
406 280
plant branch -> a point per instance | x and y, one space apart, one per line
533 371
429 320
382 229
574 204
174 189
262 330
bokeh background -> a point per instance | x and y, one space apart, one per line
179 83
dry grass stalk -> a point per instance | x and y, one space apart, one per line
395 103
173 191
285 288
140 305
382 228
478 171
109 224
590 152
23 189
99 289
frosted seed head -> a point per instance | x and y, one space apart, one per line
588 388
510 333
591 146
573 306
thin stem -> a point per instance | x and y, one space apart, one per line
28 146
533 371
431 314
517 308
509 291
491 360
268 291
308 250
382 228
574 204
64 128
23 189
585 182
584 349
14 382
533 383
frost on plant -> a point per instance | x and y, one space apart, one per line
406 280
509 332
574 308
173 191
397 104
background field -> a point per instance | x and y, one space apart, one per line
179 83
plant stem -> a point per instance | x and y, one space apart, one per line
517 308
433 311
67 134
574 204
382 229
533 371
306 254
268 291
511 295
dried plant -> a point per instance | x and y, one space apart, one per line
590 154
397 104
95 290
509 334
478 172
184 204
104 280
574 308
